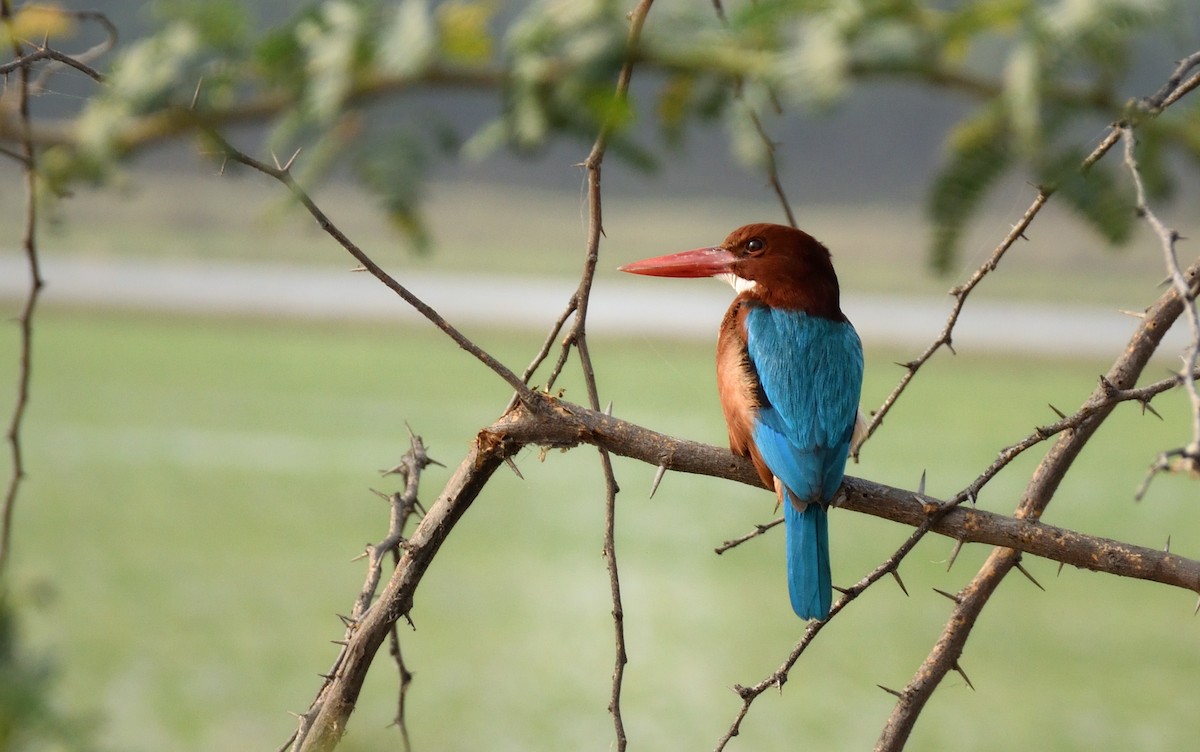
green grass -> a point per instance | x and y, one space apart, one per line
199 487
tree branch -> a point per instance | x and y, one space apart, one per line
1038 493
558 424
28 159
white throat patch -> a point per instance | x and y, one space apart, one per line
739 284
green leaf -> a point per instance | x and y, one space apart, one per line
394 169
222 24
409 40
463 30
1096 195
980 154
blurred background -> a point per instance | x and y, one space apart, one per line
214 391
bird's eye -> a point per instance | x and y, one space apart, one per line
754 245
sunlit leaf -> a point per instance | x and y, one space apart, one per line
36 22
463 29
409 40
330 44
221 24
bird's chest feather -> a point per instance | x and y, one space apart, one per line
737 382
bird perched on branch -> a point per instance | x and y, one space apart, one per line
789 374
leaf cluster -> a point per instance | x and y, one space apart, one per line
360 84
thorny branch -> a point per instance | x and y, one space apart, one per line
1175 87
1185 458
557 424
28 158
282 173
403 506
1082 423
1045 480
578 337
1043 484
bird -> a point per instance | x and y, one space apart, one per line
789 378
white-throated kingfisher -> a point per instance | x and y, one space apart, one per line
789 375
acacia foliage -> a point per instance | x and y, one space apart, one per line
347 79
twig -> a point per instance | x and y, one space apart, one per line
578 336
48 53
403 506
25 318
945 337
757 531
1187 457
960 293
283 174
772 164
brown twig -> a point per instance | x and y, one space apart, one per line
25 318
403 507
578 336
946 336
772 164
48 53
1186 457
960 293
282 173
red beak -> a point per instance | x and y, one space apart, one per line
701 262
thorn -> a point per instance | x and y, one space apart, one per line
1168 546
363 555
326 677
275 159
1021 568
349 621
1059 413
921 485
958 544
513 466
890 691
1148 408
608 410
288 166
196 93
1108 386
963 674
359 268
658 476
1134 314
224 162
900 582
950 347
843 591
298 716
343 643
951 596
395 470
1060 568
1197 611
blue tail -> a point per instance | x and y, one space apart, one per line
809 583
